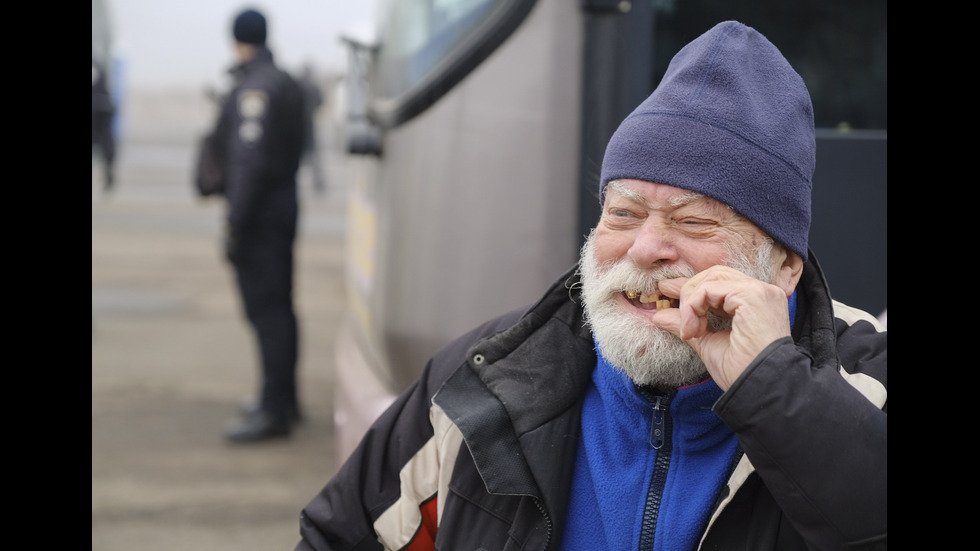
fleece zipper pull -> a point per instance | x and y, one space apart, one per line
660 441
657 434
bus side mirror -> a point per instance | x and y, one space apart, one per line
363 136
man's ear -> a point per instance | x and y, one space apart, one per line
789 268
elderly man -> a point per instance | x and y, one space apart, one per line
691 384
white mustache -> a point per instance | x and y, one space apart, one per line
625 276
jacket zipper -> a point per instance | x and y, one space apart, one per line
547 520
660 428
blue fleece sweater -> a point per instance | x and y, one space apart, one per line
616 467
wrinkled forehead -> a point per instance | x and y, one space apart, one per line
633 190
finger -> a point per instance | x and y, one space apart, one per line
715 295
672 287
668 319
758 311
692 321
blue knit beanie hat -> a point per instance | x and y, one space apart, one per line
249 27
732 120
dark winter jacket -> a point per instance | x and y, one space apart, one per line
478 453
261 125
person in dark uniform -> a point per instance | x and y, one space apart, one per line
103 113
261 129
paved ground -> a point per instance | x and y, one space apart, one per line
172 359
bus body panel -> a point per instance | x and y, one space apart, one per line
468 212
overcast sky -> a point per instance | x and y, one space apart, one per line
187 43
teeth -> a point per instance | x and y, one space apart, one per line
661 301
644 298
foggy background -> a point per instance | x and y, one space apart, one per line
187 44
172 355
166 55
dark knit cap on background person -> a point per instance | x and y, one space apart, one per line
249 28
732 120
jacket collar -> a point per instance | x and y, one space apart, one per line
517 387
813 329
263 56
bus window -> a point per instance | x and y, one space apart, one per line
427 46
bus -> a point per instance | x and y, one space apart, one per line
476 131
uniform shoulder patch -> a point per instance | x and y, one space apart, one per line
252 103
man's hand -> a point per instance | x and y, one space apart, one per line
758 311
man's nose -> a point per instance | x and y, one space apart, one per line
653 246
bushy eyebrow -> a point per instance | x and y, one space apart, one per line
686 199
626 192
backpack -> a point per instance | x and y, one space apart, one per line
209 168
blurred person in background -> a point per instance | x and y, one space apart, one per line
103 113
689 384
312 100
260 130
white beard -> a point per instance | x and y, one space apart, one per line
647 354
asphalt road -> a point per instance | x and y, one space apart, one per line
172 359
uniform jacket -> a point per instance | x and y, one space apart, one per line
261 123
477 454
